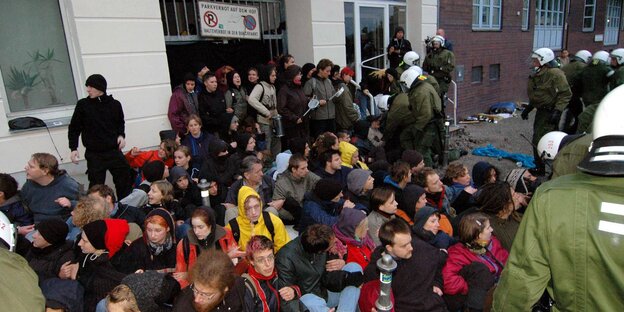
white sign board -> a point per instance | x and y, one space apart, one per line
228 21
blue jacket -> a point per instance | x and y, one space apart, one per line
15 211
340 175
41 199
317 211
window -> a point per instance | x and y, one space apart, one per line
494 72
477 74
35 64
486 14
525 14
588 15
549 19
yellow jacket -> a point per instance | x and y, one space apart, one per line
247 230
346 153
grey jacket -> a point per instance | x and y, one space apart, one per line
323 89
287 186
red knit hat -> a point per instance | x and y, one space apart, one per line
116 231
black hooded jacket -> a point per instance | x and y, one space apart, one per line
100 121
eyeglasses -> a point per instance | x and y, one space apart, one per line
201 294
266 259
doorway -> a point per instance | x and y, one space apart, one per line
369 27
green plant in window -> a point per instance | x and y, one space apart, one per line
43 62
21 82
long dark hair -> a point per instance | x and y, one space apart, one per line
264 73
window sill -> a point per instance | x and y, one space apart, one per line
51 123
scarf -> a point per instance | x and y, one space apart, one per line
196 143
436 199
255 278
157 249
365 241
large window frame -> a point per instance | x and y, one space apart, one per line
57 115
487 14
590 5
549 24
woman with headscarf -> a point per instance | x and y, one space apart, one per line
229 131
352 232
291 104
218 166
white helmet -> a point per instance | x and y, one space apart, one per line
584 55
411 58
618 56
439 39
382 102
7 232
548 145
543 55
606 153
600 57
409 76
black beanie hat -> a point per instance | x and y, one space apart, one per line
53 231
327 189
217 146
153 170
96 81
96 232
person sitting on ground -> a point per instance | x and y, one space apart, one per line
245 146
252 220
427 227
204 235
413 289
115 209
137 158
185 190
155 250
161 196
351 157
461 193
100 241
332 168
182 104
122 299
182 158
359 185
229 131
49 250
398 178
320 284
497 200
214 286
352 233
87 210
474 265
323 204
383 209
291 186
323 143
218 165
416 161
152 171
254 178
11 205
49 192
483 173
197 140
262 292
436 192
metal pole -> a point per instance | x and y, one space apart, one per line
204 187
386 266
447 138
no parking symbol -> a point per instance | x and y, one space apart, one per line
211 19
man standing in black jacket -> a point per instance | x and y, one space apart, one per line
99 118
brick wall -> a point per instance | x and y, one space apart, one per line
510 47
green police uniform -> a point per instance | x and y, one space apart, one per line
573 72
440 64
570 156
618 77
569 241
548 90
595 83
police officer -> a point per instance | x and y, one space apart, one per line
573 72
595 84
549 93
572 234
617 60
410 59
440 63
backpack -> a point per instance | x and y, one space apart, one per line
267 221
251 111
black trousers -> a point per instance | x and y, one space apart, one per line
115 162
480 280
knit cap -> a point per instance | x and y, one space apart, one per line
357 179
53 231
153 170
176 173
96 81
327 189
411 195
107 234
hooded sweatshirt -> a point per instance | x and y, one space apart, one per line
346 153
247 229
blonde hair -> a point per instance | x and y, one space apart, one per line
165 188
122 295
89 209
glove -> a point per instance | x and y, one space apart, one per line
555 116
525 112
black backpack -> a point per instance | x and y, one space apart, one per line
267 221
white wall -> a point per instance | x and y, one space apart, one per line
122 40
316 30
422 21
